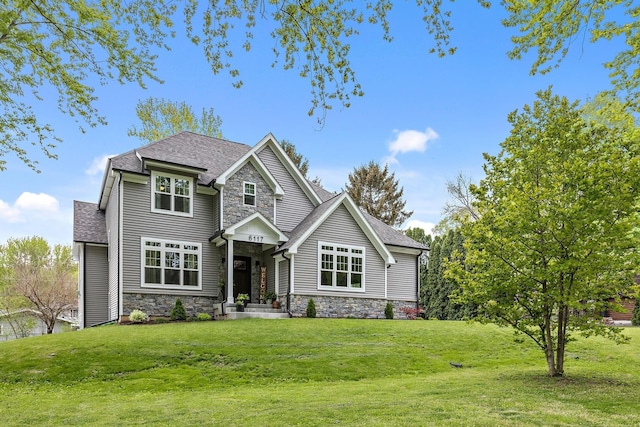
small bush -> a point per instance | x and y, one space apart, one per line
311 308
161 320
388 311
178 312
635 318
138 316
203 317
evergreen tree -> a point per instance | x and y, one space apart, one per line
298 159
376 192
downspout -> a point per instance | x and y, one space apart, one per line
288 285
224 300
120 195
224 294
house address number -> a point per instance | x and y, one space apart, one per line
257 239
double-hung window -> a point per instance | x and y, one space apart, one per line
249 193
171 193
341 267
171 264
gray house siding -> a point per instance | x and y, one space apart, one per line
96 291
402 278
113 234
216 212
339 228
283 278
294 205
138 221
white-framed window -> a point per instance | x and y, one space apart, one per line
340 267
171 194
249 193
171 264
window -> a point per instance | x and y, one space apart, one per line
249 193
341 267
171 194
171 264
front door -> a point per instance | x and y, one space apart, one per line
241 276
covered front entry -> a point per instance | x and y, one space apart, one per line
253 236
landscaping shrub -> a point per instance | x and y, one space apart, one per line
161 320
138 316
388 311
178 312
635 318
203 317
311 308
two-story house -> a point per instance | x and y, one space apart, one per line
203 219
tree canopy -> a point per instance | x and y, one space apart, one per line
556 242
63 45
376 191
161 118
298 159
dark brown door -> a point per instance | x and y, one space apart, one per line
241 275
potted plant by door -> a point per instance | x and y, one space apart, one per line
270 297
241 300
239 305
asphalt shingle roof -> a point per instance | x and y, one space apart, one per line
89 224
188 149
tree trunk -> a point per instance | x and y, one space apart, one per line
563 318
548 340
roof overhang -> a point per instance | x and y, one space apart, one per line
252 158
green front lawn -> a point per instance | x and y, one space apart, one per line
312 372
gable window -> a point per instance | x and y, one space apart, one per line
171 193
171 264
249 193
341 267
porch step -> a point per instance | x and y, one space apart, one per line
261 311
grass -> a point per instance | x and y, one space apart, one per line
313 372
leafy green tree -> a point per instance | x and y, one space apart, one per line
161 118
376 191
556 238
38 276
550 28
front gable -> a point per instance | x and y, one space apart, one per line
253 229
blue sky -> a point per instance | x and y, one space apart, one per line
429 118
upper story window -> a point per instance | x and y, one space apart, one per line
172 193
171 264
249 193
341 267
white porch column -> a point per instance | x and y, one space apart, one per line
230 271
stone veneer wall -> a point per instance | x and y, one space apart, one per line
234 208
360 308
161 305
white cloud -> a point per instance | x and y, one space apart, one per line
28 205
426 226
409 140
37 202
10 214
98 165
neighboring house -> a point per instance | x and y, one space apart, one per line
181 217
25 322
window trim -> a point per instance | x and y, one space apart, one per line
245 194
162 250
172 177
351 256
